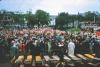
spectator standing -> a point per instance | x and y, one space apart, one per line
71 48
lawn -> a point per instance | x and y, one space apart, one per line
74 30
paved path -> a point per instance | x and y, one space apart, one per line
5 65
4 62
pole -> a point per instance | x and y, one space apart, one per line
94 19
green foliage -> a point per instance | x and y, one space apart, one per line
39 18
42 17
64 19
89 16
31 19
74 30
61 20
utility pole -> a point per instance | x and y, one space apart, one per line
78 19
94 19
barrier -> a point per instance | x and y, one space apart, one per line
90 60
79 60
17 61
28 61
89 56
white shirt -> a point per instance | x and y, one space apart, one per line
71 45
71 48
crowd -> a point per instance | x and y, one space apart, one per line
47 41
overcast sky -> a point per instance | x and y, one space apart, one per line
51 6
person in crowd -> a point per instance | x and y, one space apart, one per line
61 50
97 48
3 47
42 47
14 50
71 48
22 47
46 41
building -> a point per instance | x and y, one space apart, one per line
52 20
90 24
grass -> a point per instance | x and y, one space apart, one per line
74 30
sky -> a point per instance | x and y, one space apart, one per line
54 7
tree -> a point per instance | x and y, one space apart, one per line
42 17
89 16
80 17
31 19
6 18
62 20
18 19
